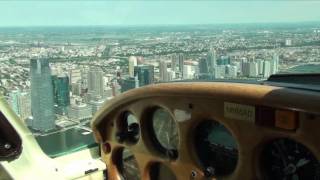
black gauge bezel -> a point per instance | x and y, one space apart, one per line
262 164
123 134
167 153
207 166
117 159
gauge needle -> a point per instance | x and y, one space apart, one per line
302 162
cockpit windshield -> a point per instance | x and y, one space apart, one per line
60 61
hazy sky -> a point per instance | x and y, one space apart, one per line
43 13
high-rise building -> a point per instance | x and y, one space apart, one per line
253 69
181 62
220 71
20 103
274 63
74 75
95 83
76 88
188 72
132 62
96 105
61 93
203 66
42 100
260 66
204 71
212 60
171 75
174 59
163 69
231 71
129 83
108 92
238 65
25 105
116 88
145 74
224 60
244 67
14 100
266 69
80 112
288 42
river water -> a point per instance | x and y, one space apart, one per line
66 141
307 68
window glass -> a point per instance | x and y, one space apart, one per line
60 61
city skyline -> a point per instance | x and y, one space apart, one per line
90 66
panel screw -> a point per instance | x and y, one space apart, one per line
209 171
194 174
7 146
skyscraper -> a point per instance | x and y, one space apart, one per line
96 105
132 62
220 71
41 95
74 76
24 105
212 60
253 69
129 83
266 69
181 62
224 60
80 111
274 63
260 66
163 69
174 58
188 72
20 103
203 66
145 74
231 71
116 88
95 83
61 93
14 100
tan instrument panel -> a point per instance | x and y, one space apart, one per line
210 130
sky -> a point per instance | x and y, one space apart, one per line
154 12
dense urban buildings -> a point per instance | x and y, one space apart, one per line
65 88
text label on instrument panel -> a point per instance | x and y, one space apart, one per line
239 111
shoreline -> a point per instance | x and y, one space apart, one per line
292 68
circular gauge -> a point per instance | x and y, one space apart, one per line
288 159
166 132
216 148
129 129
127 165
159 171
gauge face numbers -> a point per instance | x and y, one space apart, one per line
216 148
165 131
288 159
127 165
